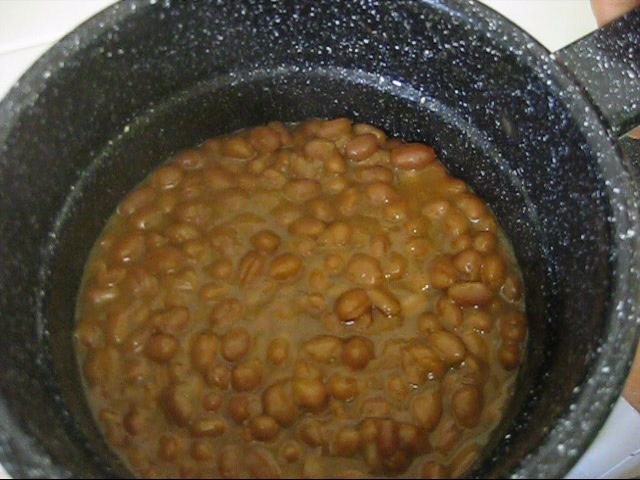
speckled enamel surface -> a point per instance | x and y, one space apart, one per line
146 78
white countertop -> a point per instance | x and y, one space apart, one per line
29 27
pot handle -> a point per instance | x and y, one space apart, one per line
607 64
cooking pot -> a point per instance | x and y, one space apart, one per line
534 134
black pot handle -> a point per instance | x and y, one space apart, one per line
607 64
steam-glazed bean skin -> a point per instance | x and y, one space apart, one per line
306 300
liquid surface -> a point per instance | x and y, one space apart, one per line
313 300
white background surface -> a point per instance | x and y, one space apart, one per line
29 27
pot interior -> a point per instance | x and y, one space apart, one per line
143 85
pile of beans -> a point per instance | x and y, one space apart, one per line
309 300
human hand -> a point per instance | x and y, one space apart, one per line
607 10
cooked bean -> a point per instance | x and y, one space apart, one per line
250 268
433 470
469 262
219 376
453 185
261 464
230 462
323 348
421 363
190 159
448 346
364 128
193 211
477 345
235 344
278 351
426 409
168 448
204 348
333 129
509 355
379 193
470 293
335 164
237 147
368 430
449 313
357 352
351 304
178 403
167 176
264 139
419 247
307 226
278 403
239 408
134 421
463 242
130 248
212 401
387 441
464 460
428 323
285 266
472 206
412 156
494 271
221 269
373 173
266 240
484 242
346 442
342 387
467 406
310 394
395 211
435 210
322 209
456 224
312 433
302 190
364 269
348 201
334 263
513 327
291 451
512 288
478 320
336 234
246 376
263 428
410 438
161 347
443 273
361 147
136 200
336 184
396 267
305 369
209 427
384 301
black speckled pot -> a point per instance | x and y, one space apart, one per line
534 134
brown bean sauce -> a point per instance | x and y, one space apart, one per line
301 301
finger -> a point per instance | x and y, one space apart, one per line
632 389
607 10
635 133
